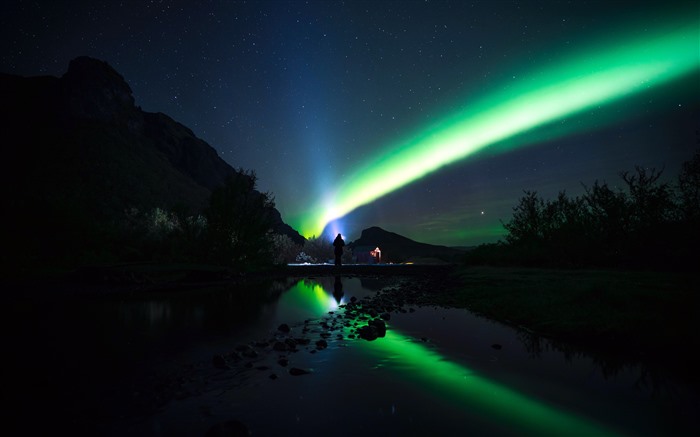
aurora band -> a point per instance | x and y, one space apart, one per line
591 79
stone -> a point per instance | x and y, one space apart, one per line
219 362
230 428
250 353
379 326
367 332
280 346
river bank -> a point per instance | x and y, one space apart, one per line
117 310
543 305
631 312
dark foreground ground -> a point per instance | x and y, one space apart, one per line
621 316
637 313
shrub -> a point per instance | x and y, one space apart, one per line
239 223
645 225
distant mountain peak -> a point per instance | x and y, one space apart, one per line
89 70
94 90
397 248
97 151
377 233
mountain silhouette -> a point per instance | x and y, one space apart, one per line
397 248
78 153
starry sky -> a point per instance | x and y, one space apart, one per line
426 118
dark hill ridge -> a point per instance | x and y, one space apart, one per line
187 153
397 248
77 149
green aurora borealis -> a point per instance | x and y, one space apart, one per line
412 115
592 77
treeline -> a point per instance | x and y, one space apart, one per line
648 224
234 230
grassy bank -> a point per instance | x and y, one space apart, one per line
638 312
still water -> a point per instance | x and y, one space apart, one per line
104 365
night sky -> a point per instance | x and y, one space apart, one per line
331 102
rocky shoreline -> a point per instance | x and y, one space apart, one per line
273 357
283 351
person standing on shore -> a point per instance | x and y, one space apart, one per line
338 245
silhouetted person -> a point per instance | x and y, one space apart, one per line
338 245
338 289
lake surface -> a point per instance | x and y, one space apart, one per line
101 365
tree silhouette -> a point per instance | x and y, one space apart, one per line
239 223
646 224
689 189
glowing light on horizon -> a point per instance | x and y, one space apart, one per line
595 78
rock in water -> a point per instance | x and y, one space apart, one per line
230 428
219 362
